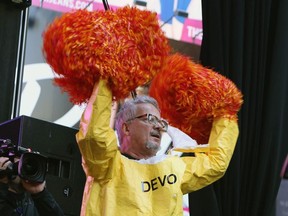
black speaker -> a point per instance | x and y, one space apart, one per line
65 178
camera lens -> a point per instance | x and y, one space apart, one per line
32 167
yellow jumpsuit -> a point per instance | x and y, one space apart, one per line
118 186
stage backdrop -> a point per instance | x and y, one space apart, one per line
180 19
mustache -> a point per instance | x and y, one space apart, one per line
155 133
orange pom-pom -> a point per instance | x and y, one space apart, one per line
190 96
126 46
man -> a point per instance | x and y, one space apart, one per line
133 180
20 197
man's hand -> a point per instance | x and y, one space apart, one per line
4 163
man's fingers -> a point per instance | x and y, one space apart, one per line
4 163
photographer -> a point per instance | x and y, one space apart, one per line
21 197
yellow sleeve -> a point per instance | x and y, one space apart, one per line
206 168
96 139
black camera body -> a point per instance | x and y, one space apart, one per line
32 166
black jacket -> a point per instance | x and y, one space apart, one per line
25 204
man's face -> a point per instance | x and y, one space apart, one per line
144 138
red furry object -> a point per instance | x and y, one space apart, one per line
190 96
126 46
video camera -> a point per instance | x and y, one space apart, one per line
32 166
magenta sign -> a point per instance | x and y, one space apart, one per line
192 31
68 5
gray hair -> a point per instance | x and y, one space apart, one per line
127 111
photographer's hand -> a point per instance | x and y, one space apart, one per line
4 163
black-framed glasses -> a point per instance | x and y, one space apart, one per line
153 120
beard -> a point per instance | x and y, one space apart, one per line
153 146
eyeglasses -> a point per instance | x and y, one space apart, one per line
153 120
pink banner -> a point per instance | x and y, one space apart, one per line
192 31
68 5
